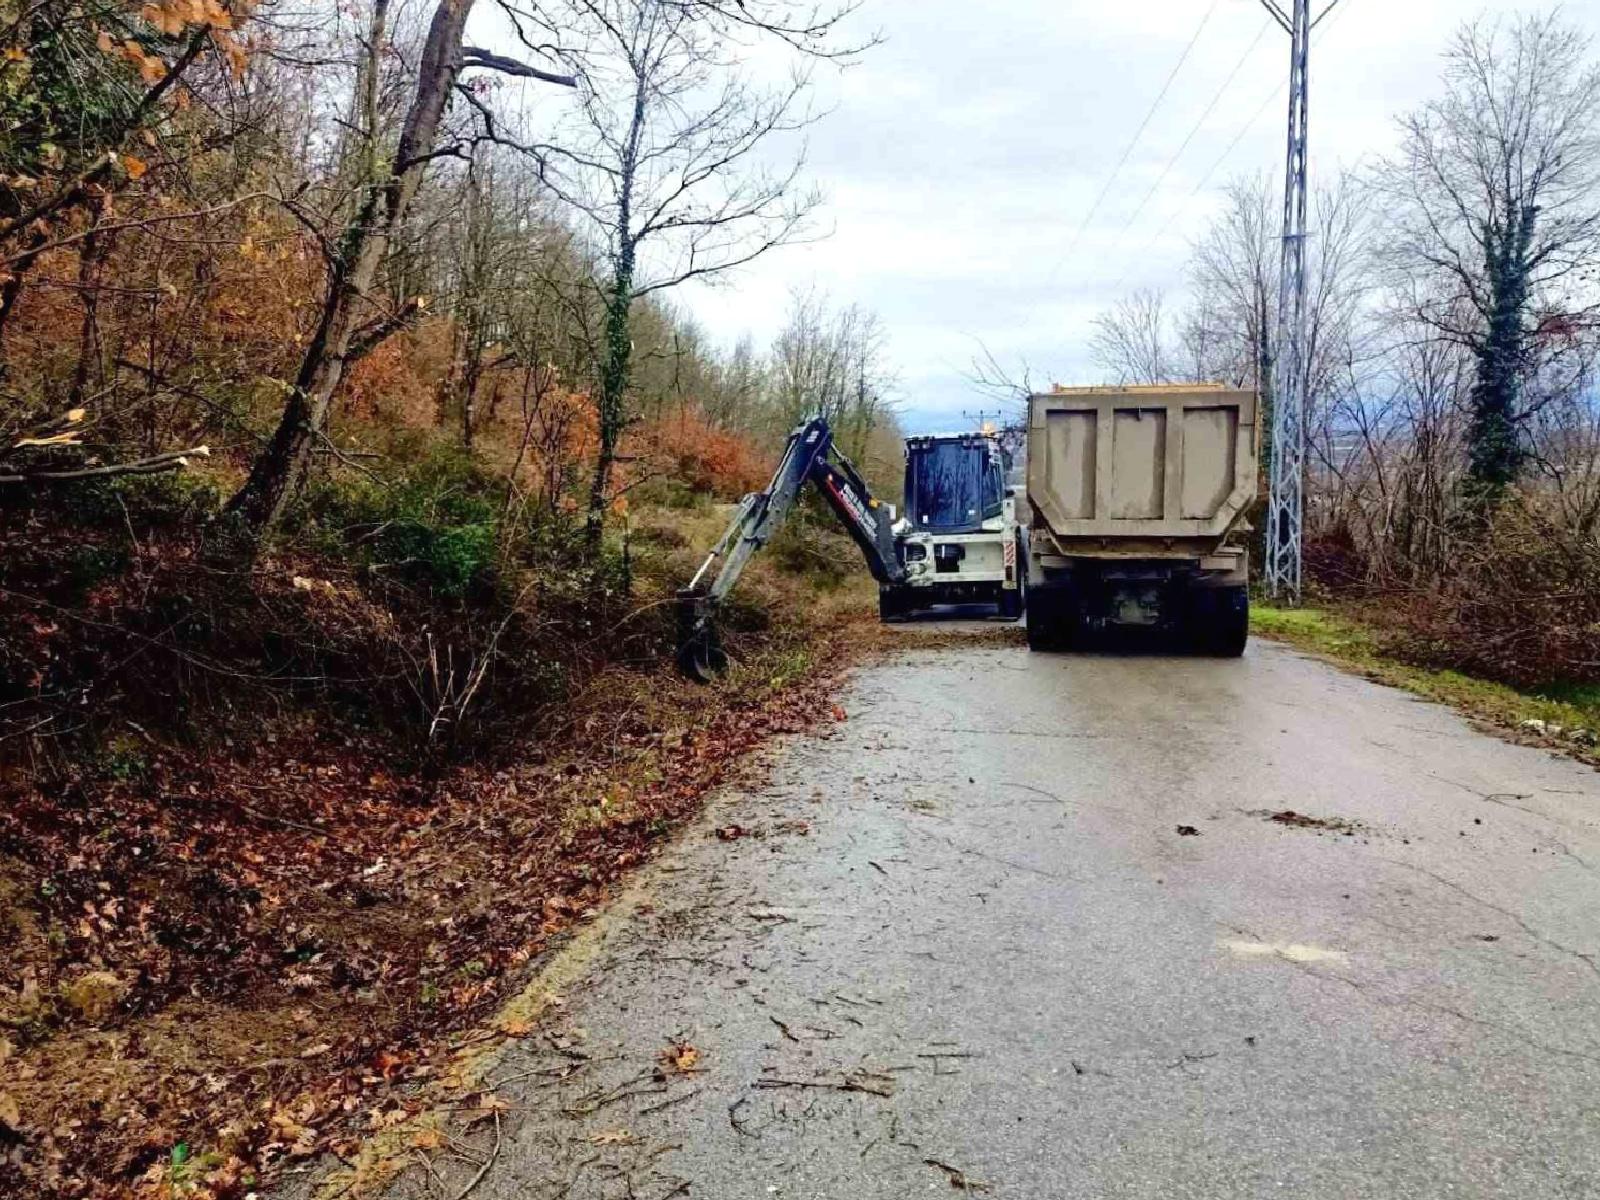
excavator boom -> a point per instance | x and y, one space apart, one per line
810 455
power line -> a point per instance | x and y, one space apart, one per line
1134 141
1194 130
1182 208
1244 131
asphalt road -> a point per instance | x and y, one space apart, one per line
963 943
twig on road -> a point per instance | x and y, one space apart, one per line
871 1084
489 1162
957 1177
690 1094
739 1126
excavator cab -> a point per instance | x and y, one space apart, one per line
954 483
958 540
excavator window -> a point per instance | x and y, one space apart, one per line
953 486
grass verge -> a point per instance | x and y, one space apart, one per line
1570 714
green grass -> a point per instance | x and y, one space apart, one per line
1343 640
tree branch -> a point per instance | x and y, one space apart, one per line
172 460
473 56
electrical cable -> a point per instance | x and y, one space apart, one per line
1205 179
1133 143
1122 233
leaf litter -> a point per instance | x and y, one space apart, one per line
291 938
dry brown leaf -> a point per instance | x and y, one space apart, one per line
612 1137
680 1056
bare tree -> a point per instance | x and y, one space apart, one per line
1496 195
1132 340
1233 272
830 362
351 321
663 162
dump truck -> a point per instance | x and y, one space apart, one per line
958 538
1137 502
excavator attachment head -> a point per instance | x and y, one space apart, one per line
700 653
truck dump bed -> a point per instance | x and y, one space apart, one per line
1141 469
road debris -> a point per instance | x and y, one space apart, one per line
1298 820
870 1082
680 1058
959 1179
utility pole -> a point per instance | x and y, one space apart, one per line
1286 502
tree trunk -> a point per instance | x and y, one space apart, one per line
91 259
1265 365
1494 448
470 379
280 470
614 375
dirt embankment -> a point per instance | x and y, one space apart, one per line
232 946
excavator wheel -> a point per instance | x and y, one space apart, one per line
1010 604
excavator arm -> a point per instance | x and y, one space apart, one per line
810 455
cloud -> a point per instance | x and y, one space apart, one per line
961 158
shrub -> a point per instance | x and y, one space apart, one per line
1522 605
433 522
700 457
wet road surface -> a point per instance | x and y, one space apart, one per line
1025 924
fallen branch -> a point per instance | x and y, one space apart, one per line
958 1178
172 460
690 1094
870 1084
487 1163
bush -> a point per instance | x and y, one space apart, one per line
811 543
169 500
434 522
701 458
1522 605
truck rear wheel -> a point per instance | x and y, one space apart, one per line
1050 621
1224 622
1010 603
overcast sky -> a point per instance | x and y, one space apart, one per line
963 156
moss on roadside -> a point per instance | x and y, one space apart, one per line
1346 641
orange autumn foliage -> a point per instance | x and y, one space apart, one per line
688 447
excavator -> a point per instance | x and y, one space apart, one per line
809 456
